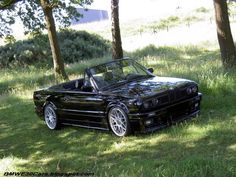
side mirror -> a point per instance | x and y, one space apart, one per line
151 70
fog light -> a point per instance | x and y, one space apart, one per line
148 122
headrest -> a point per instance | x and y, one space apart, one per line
76 84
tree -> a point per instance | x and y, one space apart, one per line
58 62
117 51
39 15
227 48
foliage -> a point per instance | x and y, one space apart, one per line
9 39
202 10
6 19
39 15
232 8
31 14
75 46
80 45
204 146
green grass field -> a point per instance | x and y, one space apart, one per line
202 147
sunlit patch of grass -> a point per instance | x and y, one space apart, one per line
10 163
232 147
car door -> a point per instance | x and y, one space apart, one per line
84 107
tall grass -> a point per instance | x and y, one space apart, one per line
34 77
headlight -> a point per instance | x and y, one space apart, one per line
151 103
155 101
194 89
189 90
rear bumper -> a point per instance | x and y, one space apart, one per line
165 116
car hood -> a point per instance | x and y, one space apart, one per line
149 87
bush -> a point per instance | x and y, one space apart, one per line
75 46
202 10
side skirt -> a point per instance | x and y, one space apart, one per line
84 126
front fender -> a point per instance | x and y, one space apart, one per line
118 104
49 102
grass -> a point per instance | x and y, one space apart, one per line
17 80
205 146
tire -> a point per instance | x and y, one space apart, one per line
119 122
50 117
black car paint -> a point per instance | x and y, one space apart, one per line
90 109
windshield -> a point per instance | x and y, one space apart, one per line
117 72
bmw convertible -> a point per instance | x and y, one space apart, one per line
121 96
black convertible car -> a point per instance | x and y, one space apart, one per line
121 96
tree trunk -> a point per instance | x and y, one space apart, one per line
59 70
227 48
117 51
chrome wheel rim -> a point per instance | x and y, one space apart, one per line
118 121
50 117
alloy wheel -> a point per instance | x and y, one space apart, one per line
50 117
118 121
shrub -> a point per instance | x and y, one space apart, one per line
202 10
75 46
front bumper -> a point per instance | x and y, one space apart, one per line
39 112
165 116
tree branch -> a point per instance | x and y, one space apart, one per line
47 5
8 3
